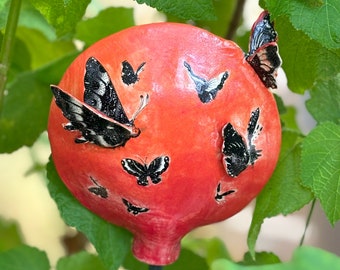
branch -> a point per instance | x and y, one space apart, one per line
7 46
236 19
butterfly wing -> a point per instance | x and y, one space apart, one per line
254 129
129 76
157 167
93 126
134 209
136 169
263 53
235 150
207 90
100 93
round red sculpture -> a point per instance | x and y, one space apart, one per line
165 127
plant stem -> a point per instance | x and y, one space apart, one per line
307 222
7 45
155 267
236 19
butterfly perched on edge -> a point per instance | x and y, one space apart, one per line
135 210
263 53
101 118
238 154
207 90
143 171
129 76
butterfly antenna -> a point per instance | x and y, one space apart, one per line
144 100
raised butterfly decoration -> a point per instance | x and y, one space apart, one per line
239 154
101 118
143 171
98 189
263 53
219 196
129 76
207 89
135 210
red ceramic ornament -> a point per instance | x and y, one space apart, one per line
162 128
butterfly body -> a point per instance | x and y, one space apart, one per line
142 172
238 155
101 118
263 53
207 89
129 76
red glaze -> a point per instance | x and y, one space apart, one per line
174 123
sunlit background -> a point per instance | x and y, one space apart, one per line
24 197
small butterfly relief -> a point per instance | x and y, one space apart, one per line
207 89
219 196
239 154
263 53
98 189
143 171
129 76
133 209
101 118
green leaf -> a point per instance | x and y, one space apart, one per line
262 258
187 9
289 119
111 242
305 61
26 106
24 258
303 258
81 261
210 249
224 11
283 194
324 103
319 20
9 234
96 28
62 15
4 7
50 50
321 167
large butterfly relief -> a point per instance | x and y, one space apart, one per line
239 153
263 53
101 118
143 171
207 89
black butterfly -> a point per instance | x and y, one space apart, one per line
129 76
143 171
263 53
101 119
134 209
239 155
98 189
219 196
207 90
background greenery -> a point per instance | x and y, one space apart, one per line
38 43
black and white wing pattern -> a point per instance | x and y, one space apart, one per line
94 126
142 171
207 89
135 210
101 118
129 76
100 94
263 53
98 189
238 154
